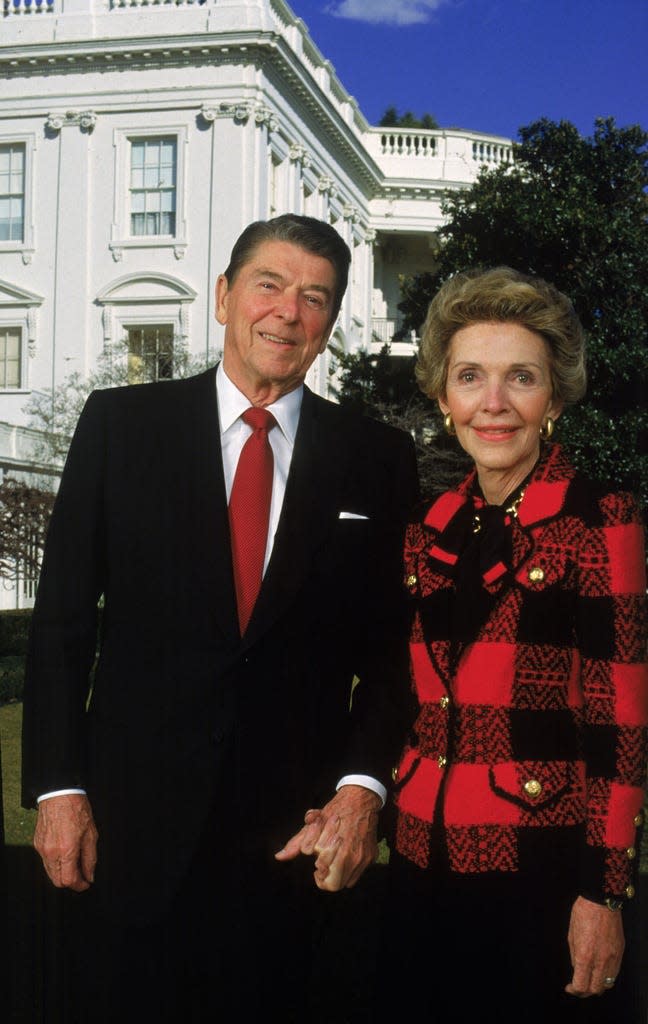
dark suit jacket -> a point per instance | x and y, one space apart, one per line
183 714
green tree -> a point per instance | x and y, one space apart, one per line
571 209
392 119
24 515
383 386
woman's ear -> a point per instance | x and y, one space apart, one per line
443 405
555 409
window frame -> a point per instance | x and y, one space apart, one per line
120 234
26 244
19 325
139 324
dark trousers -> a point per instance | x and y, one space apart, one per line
227 949
461 949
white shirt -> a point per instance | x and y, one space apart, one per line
234 432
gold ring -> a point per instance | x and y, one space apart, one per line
609 982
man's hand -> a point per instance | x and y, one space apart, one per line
342 836
596 945
66 839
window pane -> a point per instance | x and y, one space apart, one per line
12 191
10 357
137 154
151 177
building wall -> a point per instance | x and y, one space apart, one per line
263 126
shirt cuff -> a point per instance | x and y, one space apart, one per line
59 792
368 782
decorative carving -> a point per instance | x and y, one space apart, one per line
239 111
325 184
184 321
208 113
32 323
179 251
107 324
263 115
117 253
54 122
350 212
85 119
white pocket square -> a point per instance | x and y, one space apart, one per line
351 515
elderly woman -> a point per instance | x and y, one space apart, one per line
520 788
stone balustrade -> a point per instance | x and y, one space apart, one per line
443 153
28 6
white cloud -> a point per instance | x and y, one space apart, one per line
385 12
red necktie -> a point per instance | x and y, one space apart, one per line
249 511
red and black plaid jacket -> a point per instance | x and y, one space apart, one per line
542 720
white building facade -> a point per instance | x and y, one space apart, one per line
136 142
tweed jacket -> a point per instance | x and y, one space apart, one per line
538 722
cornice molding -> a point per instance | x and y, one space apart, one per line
261 49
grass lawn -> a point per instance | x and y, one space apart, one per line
19 823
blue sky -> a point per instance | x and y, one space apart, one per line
489 65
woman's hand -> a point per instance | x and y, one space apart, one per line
596 944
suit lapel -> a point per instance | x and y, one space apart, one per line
309 511
205 478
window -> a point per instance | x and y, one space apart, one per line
149 200
153 186
150 353
12 192
10 346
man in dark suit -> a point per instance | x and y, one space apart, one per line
169 774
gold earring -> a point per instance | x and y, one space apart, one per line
547 429
448 424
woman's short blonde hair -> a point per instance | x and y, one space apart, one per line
505 295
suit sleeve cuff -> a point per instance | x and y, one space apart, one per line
59 792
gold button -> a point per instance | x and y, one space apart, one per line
631 853
532 787
411 580
630 891
536 575
445 700
442 761
638 820
394 773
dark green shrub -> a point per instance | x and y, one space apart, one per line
14 631
12 673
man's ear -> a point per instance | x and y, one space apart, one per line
325 341
222 292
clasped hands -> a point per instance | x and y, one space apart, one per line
342 836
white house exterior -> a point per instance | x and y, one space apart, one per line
138 139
